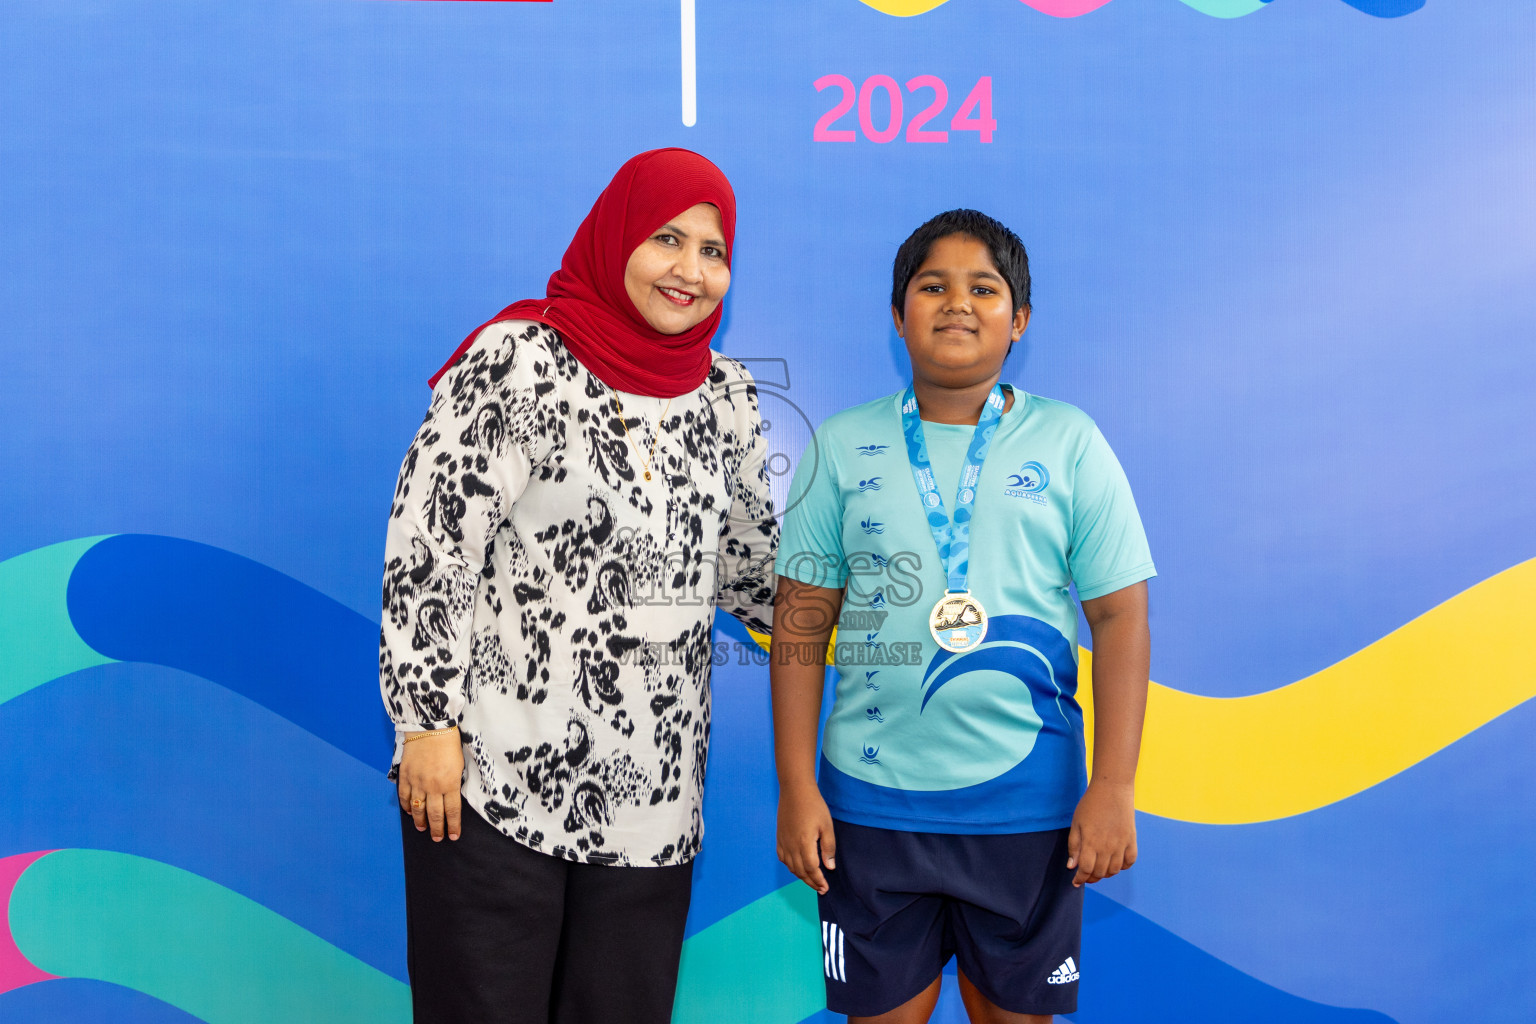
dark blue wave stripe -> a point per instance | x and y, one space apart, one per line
1446 836
236 622
1135 970
150 761
83 1001
1386 8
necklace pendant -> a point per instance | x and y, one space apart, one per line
647 474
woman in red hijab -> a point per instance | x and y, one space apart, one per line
587 487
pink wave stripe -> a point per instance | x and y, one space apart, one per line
1064 8
15 969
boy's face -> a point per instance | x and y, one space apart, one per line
959 318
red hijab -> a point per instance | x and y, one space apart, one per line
586 300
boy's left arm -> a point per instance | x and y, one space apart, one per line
1103 837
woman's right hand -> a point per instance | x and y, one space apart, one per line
431 771
804 825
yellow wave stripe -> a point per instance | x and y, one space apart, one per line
1380 711
904 8
1420 688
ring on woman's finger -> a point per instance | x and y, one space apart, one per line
418 803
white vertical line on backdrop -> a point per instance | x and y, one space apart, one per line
690 69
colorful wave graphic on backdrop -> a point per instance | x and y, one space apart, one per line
156 911
1215 8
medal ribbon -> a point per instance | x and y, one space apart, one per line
952 537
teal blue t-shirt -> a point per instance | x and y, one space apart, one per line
990 741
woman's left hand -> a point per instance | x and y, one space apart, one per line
431 771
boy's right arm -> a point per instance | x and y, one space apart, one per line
803 619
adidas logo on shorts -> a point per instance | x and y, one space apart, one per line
1064 974
832 952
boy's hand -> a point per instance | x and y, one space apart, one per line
805 823
1103 837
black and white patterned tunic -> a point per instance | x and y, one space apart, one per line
544 596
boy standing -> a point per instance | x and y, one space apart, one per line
942 527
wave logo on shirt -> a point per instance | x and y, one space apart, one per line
872 449
871 527
1030 650
872 484
1029 483
871 754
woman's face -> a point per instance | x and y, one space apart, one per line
678 275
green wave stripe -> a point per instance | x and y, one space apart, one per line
190 942
38 643
757 965
1225 8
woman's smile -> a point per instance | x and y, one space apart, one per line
682 298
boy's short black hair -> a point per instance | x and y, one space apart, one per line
1006 249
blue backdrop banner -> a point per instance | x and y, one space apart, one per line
1283 254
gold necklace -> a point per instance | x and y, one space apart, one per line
654 433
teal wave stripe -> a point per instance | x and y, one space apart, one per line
190 942
38 643
760 965
1226 8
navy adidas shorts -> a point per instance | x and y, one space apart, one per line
902 903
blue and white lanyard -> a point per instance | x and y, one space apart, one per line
953 538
